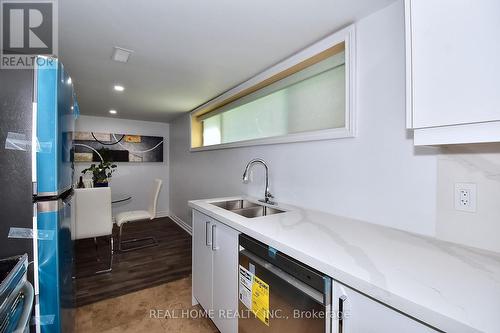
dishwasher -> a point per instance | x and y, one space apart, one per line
280 294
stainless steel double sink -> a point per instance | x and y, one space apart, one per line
247 208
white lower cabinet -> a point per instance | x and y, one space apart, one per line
362 314
215 270
202 260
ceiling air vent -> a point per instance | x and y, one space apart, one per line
120 54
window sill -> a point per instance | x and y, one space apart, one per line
329 134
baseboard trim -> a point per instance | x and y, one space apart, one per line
162 214
182 224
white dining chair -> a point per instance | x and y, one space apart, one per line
93 217
139 215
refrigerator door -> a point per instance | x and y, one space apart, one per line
55 123
55 266
16 202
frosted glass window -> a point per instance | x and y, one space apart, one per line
312 99
212 130
262 118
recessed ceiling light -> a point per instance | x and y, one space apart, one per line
120 54
119 88
113 111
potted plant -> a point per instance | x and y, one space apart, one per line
101 173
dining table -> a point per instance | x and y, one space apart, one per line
120 197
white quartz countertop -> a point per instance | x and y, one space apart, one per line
450 287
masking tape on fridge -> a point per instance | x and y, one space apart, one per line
44 147
28 233
43 320
18 141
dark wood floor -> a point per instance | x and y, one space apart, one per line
135 270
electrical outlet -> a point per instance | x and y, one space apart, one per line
466 197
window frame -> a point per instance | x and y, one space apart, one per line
347 36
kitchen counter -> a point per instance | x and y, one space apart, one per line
448 286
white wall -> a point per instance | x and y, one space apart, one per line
135 179
378 176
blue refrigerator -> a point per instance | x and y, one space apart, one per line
38 116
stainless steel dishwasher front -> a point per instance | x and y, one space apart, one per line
279 294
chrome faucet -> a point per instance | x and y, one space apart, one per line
267 194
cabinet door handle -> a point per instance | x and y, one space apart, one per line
215 247
341 314
207 238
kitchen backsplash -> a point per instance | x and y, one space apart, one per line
477 164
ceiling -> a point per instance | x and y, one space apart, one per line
186 52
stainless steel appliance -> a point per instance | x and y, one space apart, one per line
296 297
16 295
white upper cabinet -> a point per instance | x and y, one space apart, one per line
453 70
